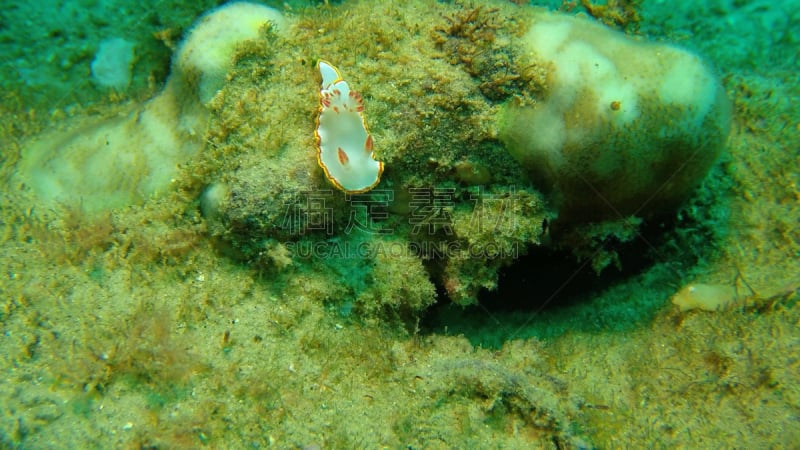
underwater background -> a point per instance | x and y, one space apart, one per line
179 273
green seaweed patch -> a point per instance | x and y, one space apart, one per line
622 14
480 40
141 349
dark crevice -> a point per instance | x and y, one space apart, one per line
546 286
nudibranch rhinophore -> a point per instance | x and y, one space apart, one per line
343 141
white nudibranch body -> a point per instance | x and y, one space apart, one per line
343 140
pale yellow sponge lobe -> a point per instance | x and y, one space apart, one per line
690 84
207 52
624 126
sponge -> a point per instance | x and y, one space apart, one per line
111 67
207 52
624 126
95 165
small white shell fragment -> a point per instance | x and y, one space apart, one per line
706 297
343 140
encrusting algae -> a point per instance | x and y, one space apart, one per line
254 304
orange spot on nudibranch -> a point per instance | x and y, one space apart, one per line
342 156
368 144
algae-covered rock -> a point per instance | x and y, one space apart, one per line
456 194
481 105
432 118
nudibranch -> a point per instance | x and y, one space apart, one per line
344 145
